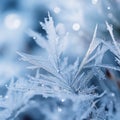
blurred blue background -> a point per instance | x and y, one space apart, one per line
77 17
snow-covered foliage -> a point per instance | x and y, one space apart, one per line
89 84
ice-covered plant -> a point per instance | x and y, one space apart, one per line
107 80
14 98
59 76
56 77
85 83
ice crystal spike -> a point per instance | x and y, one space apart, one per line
110 29
90 50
